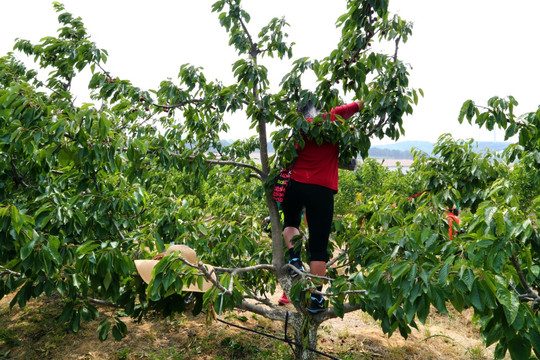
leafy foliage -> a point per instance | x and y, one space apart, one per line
401 254
86 189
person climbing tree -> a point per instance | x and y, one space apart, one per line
453 219
314 181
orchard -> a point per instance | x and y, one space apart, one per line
85 190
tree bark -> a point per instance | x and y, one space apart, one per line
305 336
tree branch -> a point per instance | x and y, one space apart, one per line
180 104
6 271
398 39
272 314
237 271
259 172
530 295
330 314
335 259
98 301
229 162
233 271
253 50
380 124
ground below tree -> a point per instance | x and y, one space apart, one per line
34 333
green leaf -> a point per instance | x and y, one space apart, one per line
202 229
75 323
116 333
16 219
119 329
499 261
295 293
168 279
476 298
488 214
510 303
519 348
159 242
443 273
103 329
494 333
53 253
86 248
89 312
398 270
439 300
67 312
535 340
27 249
423 308
394 307
107 280
500 350
468 278
339 307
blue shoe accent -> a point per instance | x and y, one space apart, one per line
297 263
316 305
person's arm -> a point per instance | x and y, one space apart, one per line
346 111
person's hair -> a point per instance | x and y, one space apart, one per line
308 110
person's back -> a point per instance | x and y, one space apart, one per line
318 164
452 217
314 182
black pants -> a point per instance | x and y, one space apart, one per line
319 203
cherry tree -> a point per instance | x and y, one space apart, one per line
86 189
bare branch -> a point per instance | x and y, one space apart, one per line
98 301
380 124
253 50
180 104
330 314
259 172
235 163
272 314
236 271
530 295
522 279
6 271
283 100
212 275
335 259
306 274
398 39
346 292
118 230
264 301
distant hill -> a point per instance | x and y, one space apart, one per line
402 149
493 145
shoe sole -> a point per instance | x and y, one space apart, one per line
315 311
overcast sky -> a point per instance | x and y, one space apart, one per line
460 49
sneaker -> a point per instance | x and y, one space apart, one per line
189 298
283 300
316 305
297 263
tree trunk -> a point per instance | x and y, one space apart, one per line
305 336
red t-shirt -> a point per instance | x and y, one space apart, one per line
318 164
451 219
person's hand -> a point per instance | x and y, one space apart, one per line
159 256
360 104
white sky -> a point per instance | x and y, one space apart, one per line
459 50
